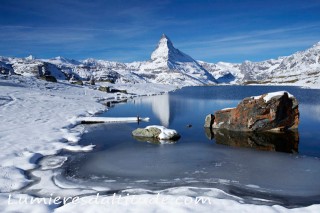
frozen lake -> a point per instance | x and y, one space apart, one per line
271 169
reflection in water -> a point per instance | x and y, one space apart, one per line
153 140
268 141
311 111
160 107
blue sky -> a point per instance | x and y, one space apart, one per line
125 30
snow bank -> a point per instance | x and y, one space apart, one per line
111 120
12 179
169 203
12 204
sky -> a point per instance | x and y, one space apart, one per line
129 30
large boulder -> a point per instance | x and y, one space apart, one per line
157 132
276 111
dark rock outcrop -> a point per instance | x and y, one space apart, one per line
49 78
269 112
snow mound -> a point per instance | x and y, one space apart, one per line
11 179
271 95
169 203
166 134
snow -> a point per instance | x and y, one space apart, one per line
165 134
13 205
12 179
112 120
228 108
271 95
76 148
52 162
171 66
37 120
169 203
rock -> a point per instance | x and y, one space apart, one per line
147 133
118 90
158 132
269 112
209 120
77 82
111 90
92 81
104 89
49 78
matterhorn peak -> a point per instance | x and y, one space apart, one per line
316 45
165 51
30 57
165 40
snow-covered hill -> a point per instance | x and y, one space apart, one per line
169 65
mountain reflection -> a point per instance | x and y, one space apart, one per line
161 108
268 141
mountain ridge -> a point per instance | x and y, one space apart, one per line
168 65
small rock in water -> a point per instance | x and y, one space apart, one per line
158 132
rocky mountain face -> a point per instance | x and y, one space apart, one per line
169 65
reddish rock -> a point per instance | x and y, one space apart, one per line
274 111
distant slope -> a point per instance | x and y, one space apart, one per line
302 68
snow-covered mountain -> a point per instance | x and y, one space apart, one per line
169 65
302 68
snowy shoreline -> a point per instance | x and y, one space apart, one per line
47 124
39 119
